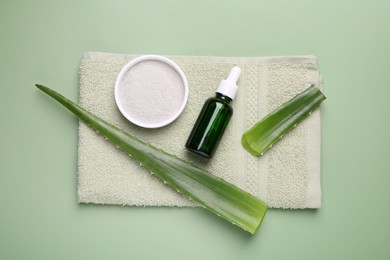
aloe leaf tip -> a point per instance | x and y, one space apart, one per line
261 136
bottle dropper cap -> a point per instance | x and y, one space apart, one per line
228 87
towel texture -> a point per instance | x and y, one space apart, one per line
287 176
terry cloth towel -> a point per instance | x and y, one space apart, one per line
286 176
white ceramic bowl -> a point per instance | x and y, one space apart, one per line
121 86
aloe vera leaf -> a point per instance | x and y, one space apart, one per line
213 193
261 136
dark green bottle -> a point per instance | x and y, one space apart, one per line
213 118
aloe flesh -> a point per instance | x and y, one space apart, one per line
260 137
213 193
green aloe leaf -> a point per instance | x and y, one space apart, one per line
211 192
275 125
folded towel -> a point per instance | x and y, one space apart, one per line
286 176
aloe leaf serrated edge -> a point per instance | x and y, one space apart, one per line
211 192
261 136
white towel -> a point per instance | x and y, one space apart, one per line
286 176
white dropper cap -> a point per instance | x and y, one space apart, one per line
228 87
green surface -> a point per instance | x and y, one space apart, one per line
43 41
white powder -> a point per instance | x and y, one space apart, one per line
151 92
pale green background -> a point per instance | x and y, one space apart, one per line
43 41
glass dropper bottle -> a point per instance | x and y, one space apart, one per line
214 117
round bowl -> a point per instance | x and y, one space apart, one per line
151 91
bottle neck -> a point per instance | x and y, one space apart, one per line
223 97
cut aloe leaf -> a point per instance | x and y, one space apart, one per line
213 193
260 137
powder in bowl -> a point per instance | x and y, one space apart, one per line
151 91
